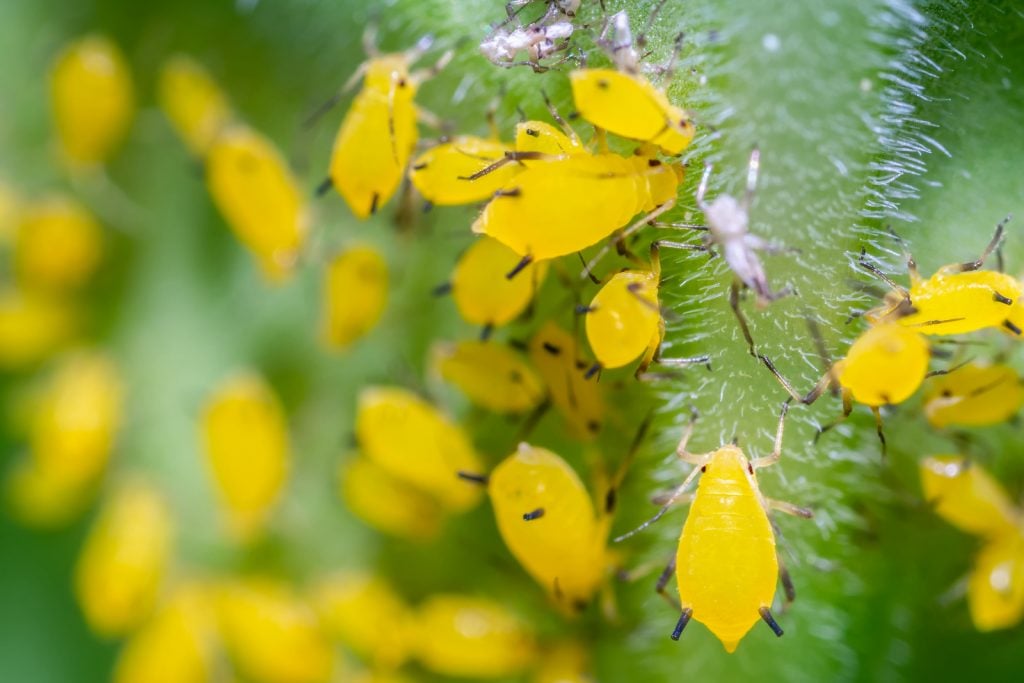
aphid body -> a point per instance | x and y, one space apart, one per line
974 394
355 293
554 353
58 245
387 503
885 365
490 375
483 294
624 319
32 326
193 102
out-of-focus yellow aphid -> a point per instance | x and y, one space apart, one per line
483 292
388 504
255 191
549 522
92 99
441 173
245 437
974 394
624 320
271 634
193 102
587 197
9 209
378 134
76 421
122 565
565 662
380 677
726 564
355 295
176 645
491 375
995 588
42 499
471 637
959 298
556 356
965 495
32 327
58 245
629 105
413 441
364 612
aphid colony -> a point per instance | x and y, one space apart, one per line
547 195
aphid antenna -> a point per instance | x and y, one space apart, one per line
369 37
993 244
675 497
875 271
473 477
641 38
624 234
939 373
819 346
563 124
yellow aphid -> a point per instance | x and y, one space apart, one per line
373 145
92 99
541 138
965 495
388 504
380 677
441 173
490 375
9 209
885 365
193 102
122 565
483 292
271 635
469 637
42 498
547 519
995 588
76 422
259 198
556 356
365 613
245 437
175 646
32 327
565 662
355 295
58 245
624 319
959 298
630 106
565 205
413 441
975 394
726 564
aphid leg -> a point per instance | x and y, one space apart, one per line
786 580
563 124
770 620
530 423
519 267
473 477
874 270
992 246
663 579
878 428
684 619
333 100
847 409
623 234
610 501
788 508
768 460
641 38
734 304
662 498
324 187
753 170
673 499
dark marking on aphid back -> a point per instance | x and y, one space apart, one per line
593 426
532 132
579 605
533 514
516 377
602 84
551 348
514 192
420 166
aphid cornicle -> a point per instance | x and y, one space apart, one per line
92 100
378 134
726 565
967 496
193 102
973 394
490 375
959 298
355 294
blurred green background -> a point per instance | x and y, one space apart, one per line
868 114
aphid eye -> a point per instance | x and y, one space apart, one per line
602 84
653 163
594 426
946 393
552 349
532 132
401 83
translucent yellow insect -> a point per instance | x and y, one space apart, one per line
92 100
33 326
73 429
973 394
193 102
483 292
966 496
624 102
556 356
491 375
123 562
259 198
271 634
366 614
959 298
58 245
244 432
471 638
551 524
385 502
567 204
564 662
355 292
413 441
726 565
378 134
177 645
